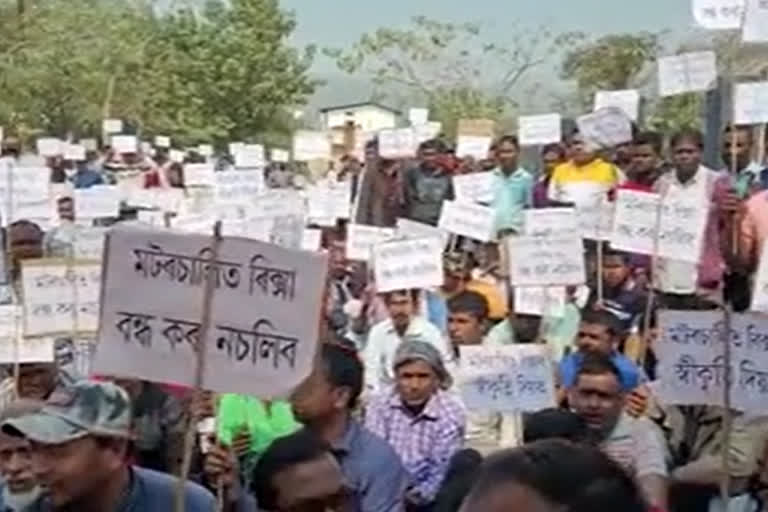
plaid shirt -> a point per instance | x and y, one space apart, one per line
425 442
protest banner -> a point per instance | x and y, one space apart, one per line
151 311
24 193
428 131
512 378
205 150
250 156
199 175
49 146
545 261
97 202
687 72
606 127
718 14
110 126
546 301
628 100
682 222
162 141
760 287
279 155
555 221
476 187
417 116
750 103
176 156
475 146
310 145
755 27
60 297
477 127
362 238
467 219
238 187
635 221
406 228
74 152
408 264
539 129
595 218
90 144
124 143
398 143
14 348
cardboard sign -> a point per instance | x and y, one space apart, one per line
49 146
627 100
309 145
539 129
124 143
97 202
477 127
250 156
636 221
688 72
550 221
397 143
718 14
199 175
476 187
110 126
474 146
74 152
755 29
749 103
467 219
546 261
606 127
362 238
417 116
406 228
408 264
162 141
279 155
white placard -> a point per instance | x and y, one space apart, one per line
60 297
176 156
688 72
97 202
550 221
24 192
199 175
279 155
539 129
546 301
110 126
635 221
193 223
237 187
397 143
90 144
627 100
418 116
428 131
755 29
311 239
361 239
408 264
49 146
250 156
407 228
162 141
14 348
467 219
512 378
606 127
750 103
205 150
595 219
718 14
88 243
473 145
309 145
74 152
684 215
124 143
341 197
546 261
476 187
278 203
151 313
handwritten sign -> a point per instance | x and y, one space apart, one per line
750 103
512 378
684 217
309 145
478 127
475 146
361 239
90 144
635 221
60 297
546 301
539 129
162 141
428 131
627 100
467 219
205 150
74 152
199 175
13 348
417 116
476 187
406 228
688 72
49 146
606 127
550 221
692 368
755 29
311 239
760 291
546 261
124 143
24 192
595 218
250 156
150 318
407 264
237 187
88 242
97 202
279 155
718 14
397 143
110 126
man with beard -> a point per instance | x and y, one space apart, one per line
599 333
20 491
634 443
646 164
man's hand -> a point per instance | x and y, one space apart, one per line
637 401
220 466
241 444
731 203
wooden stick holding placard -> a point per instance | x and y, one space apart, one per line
9 276
200 350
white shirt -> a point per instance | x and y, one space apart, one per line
383 342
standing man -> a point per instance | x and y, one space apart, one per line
427 185
584 177
646 164
512 187
747 175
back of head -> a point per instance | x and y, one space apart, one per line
577 477
343 369
554 424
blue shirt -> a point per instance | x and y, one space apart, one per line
87 178
372 470
629 372
511 195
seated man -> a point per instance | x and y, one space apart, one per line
424 424
79 444
635 443
21 490
599 333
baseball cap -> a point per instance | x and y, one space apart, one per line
76 411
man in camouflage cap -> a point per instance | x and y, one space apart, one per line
79 444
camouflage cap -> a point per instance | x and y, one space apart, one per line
82 409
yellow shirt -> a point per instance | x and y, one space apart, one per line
571 183
497 307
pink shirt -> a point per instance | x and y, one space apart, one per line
754 227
